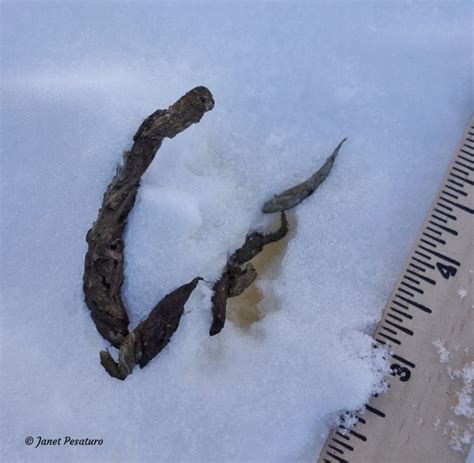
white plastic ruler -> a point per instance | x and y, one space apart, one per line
414 421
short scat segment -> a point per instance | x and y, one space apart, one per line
235 280
240 279
293 196
150 337
255 242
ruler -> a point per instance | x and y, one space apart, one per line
430 310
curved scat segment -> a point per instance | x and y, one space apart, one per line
295 195
104 261
255 242
235 280
219 303
241 279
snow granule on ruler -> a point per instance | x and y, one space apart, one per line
290 80
444 354
462 436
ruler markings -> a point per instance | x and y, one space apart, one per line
389 330
432 230
441 256
426 264
428 280
457 169
460 185
444 206
458 177
412 279
336 449
404 291
400 304
375 411
401 328
439 218
390 338
421 269
406 315
395 317
470 161
460 192
438 240
465 152
469 182
423 240
438 254
405 361
359 436
446 229
338 459
415 304
460 206
422 255
344 436
447 193
343 444
464 166
413 288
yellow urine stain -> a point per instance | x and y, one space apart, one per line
243 310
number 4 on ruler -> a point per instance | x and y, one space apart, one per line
446 270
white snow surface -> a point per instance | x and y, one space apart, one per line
290 80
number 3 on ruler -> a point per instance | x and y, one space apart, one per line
446 270
403 372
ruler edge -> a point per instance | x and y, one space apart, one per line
469 127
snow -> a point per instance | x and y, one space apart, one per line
464 396
459 437
461 432
444 354
290 80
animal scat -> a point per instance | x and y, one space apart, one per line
255 242
240 280
295 195
150 337
234 280
219 302
157 329
110 365
103 266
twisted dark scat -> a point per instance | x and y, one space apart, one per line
103 267
295 195
255 242
235 280
150 337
